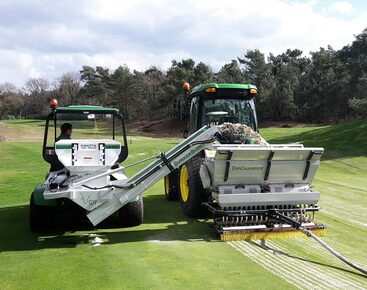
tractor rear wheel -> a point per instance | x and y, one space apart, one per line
40 217
132 214
171 185
192 193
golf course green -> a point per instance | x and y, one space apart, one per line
171 251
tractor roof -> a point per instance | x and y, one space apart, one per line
85 108
202 87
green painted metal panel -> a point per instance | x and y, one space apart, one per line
112 146
38 196
63 146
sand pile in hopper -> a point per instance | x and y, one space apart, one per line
240 134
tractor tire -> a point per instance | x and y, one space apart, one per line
171 186
132 214
40 217
192 193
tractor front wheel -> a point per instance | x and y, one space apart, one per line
40 217
192 193
132 213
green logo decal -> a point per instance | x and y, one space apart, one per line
88 201
247 168
191 153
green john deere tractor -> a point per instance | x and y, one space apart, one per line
211 104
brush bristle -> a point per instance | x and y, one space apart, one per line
237 236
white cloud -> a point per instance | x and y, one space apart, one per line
41 39
15 67
340 7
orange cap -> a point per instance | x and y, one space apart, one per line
54 103
186 86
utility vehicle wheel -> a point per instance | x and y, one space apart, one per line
192 193
132 214
40 217
171 185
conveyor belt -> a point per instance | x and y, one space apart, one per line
154 172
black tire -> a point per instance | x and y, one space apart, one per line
192 193
132 214
171 186
40 217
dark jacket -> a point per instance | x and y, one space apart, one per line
62 136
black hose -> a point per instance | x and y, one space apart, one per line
279 216
50 182
98 188
331 250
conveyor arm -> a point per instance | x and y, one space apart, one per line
148 176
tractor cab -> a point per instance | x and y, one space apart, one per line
215 104
94 128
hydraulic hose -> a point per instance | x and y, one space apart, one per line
281 217
331 250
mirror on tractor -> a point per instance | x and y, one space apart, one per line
91 116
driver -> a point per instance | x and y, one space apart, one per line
66 130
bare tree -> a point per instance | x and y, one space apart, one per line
11 101
37 91
7 88
68 87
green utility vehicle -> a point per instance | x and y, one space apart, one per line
98 143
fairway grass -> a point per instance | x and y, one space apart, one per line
171 251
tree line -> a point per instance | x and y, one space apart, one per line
327 85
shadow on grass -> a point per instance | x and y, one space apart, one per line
163 221
343 140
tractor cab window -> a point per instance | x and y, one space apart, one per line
219 111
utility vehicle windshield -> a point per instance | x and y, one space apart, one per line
86 126
218 111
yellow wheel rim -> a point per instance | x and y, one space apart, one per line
166 184
184 187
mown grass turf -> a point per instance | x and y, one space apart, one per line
169 250
340 141
342 181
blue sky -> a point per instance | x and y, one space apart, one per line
43 38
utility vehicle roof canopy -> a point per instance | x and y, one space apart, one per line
85 109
